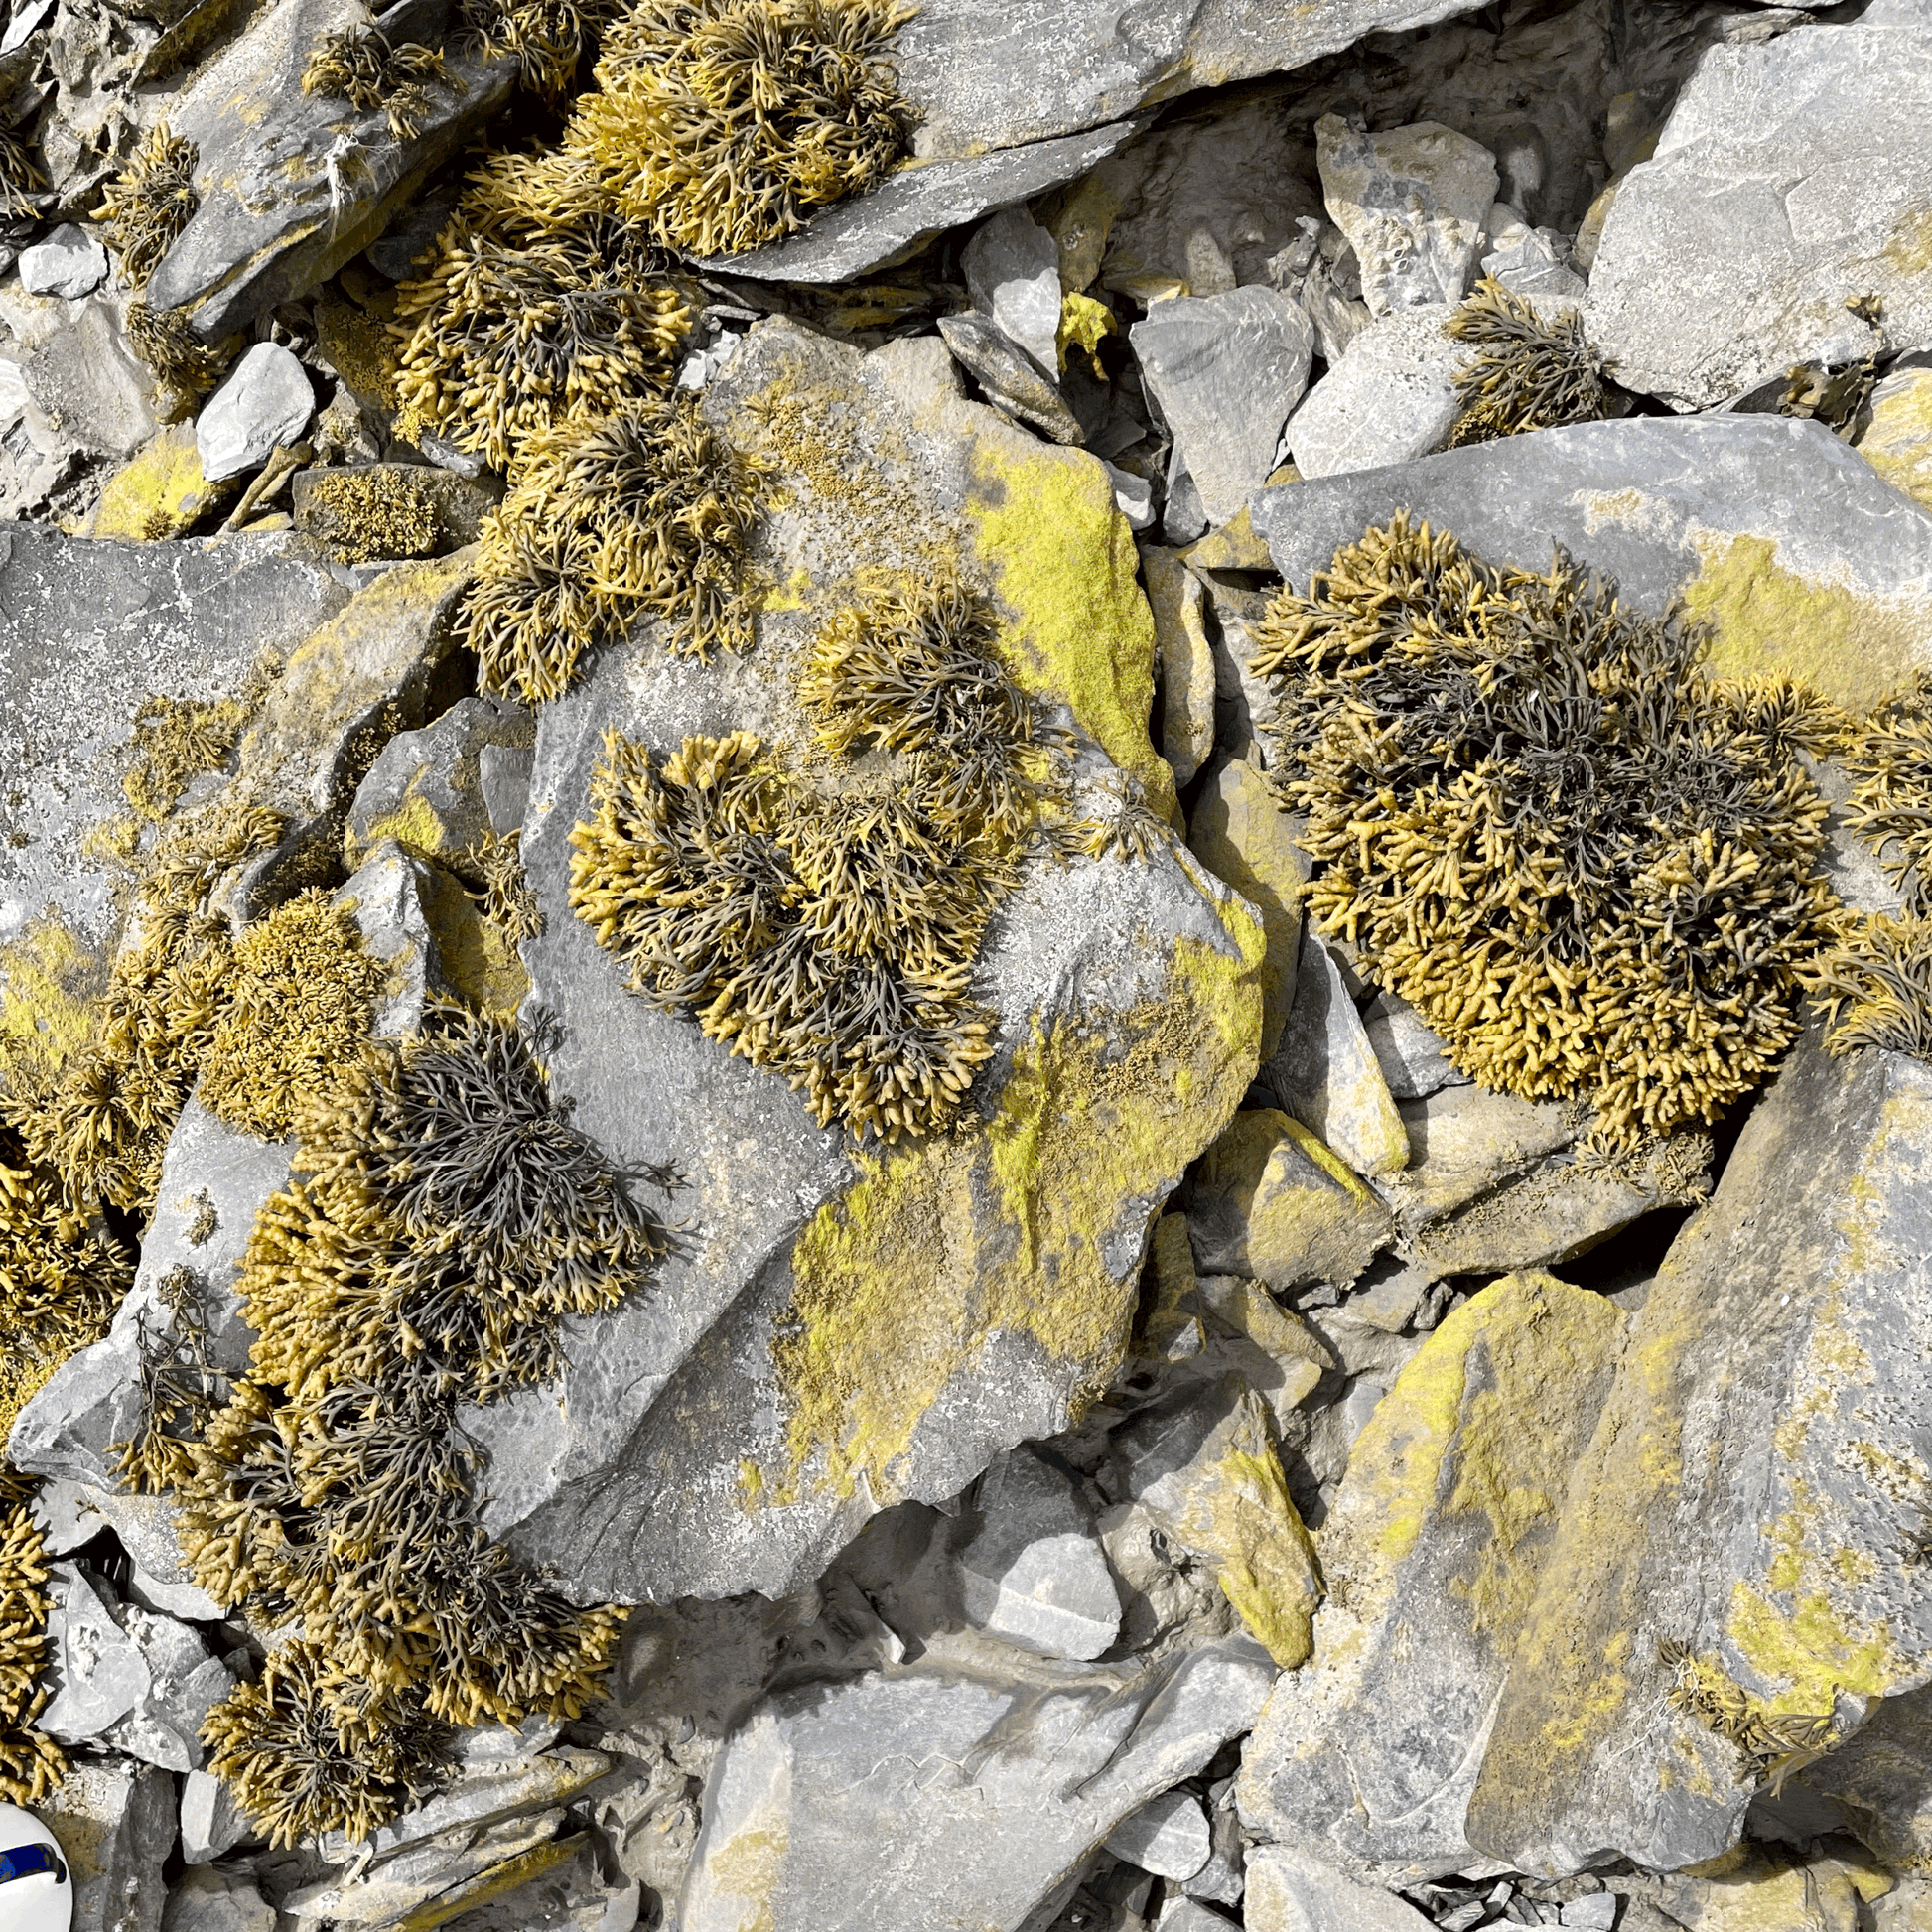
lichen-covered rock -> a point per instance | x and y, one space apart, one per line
158 492
1897 439
1792 178
427 790
847 1325
998 1787
1800 559
292 185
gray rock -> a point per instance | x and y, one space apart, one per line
1186 662
1784 541
1411 201
1133 496
266 402
95 629
431 1880
909 207
674 1458
115 1821
388 898
1225 370
1532 261
1167 1837
1271 1201
1595 1910
1223 1878
98 1673
212 1823
1013 273
1790 177
431 789
1327 1074
898 1801
1411 1055
1034 1573
1390 399
68 263
207 1900
293 184
186 1683
1008 375
89 384
1184 1915
1292 1891
1465 1140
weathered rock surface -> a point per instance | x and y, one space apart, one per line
266 402
1784 541
1225 370
293 184
999 1788
1792 178
116 1824
1008 375
70 263
1390 399
1012 274
1897 441
1185 659
676 1459
1290 1890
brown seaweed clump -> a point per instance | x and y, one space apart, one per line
360 65
547 38
30 1762
149 203
720 124
830 935
175 740
1594 872
644 513
1526 373
445 1216
1877 987
1890 759
21 178
164 340
297 1007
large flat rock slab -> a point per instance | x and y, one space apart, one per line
1799 558
1792 178
848 1325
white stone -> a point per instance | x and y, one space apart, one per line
1413 202
1290 1891
207 1900
1169 1837
266 402
1392 396
1012 274
70 263
1133 495
1035 1574
210 1819
1596 1910
98 1674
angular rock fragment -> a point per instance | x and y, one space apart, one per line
1790 180
1784 541
1008 375
1411 1053
115 1821
1013 273
1390 399
266 402
1292 1891
1897 440
1167 1837
70 263
1226 370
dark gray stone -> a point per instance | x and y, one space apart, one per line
1008 375
115 1821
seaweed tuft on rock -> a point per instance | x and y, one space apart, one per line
149 203
360 65
1526 373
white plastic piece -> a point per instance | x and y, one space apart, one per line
39 1902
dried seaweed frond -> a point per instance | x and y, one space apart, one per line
30 1762
547 38
1526 373
1890 759
518 201
149 203
1877 987
164 341
360 65
1540 824
175 740
501 342
721 124
508 898
1837 397
1774 1743
644 512
21 178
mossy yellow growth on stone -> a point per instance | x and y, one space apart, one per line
1897 440
159 491
1062 558
301 997
1853 646
175 740
47 980
1029 1226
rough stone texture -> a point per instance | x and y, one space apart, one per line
1325 1073
1791 177
915 205
266 402
991 73
1225 370
1012 274
1366 1758
1242 836
1008 375
426 788
1271 1201
1390 399
389 896
207 1900
1186 662
1411 201
1169 1837
1409 1052
88 383
70 263
94 630
997 1788
293 184
1799 558
210 1819
671 1459
96 1676
1897 440
158 492
115 1822
1203 1463
1466 1139
1292 1891
1034 1574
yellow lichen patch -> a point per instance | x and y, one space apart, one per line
1084 324
1061 557
364 514
1813 1650
158 492
1855 648
46 983
301 997
477 957
1897 441
1008 1230
361 351
1909 250
414 825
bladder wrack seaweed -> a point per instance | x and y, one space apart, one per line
1526 373
149 203
360 65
